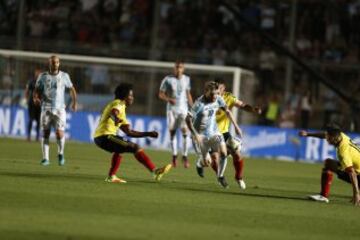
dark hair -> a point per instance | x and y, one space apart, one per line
219 81
179 61
211 85
333 129
123 90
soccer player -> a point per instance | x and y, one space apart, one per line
233 144
112 118
347 168
175 90
33 110
50 92
202 124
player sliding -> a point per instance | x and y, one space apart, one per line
348 166
233 144
202 124
112 118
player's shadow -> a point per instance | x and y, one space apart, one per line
249 193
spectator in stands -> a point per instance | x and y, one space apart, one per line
267 61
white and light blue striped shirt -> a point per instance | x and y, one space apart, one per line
176 88
52 89
204 115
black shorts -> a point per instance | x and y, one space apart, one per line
34 112
345 176
113 143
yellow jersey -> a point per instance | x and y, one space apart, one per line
348 154
107 125
222 120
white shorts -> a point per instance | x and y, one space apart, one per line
55 118
234 144
176 120
214 142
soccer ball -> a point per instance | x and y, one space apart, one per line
234 143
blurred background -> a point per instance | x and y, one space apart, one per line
252 35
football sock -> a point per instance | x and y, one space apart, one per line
45 148
145 160
238 166
61 144
173 143
222 166
115 163
185 146
198 162
326 179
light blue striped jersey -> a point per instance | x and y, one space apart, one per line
176 88
52 89
204 115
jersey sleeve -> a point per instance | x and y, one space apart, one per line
221 102
121 114
163 85
40 82
188 86
67 80
195 109
232 100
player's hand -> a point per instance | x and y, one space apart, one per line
74 106
37 101
303 133
356 200
172 101
153 134
258 110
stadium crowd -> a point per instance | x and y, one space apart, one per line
126 29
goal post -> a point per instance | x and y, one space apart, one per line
127 70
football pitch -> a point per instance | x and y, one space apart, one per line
74 202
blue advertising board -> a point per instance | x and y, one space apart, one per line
258 141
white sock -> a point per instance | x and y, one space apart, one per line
222 166
45 148
198 162
173 142
61 145
185 146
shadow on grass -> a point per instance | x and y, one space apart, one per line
61 176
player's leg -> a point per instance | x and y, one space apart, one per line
37 114
45 128
111 146
222 164
29 125
185 147
59 120
330 166
171 121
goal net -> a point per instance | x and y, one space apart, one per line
96 77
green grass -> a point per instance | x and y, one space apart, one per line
74 202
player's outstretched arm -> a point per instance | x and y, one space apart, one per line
132 133
232 119
304 133
247 107
193 131
189 98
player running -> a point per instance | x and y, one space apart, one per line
202 124
233 144
347 167
50 92
112 118
175 90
